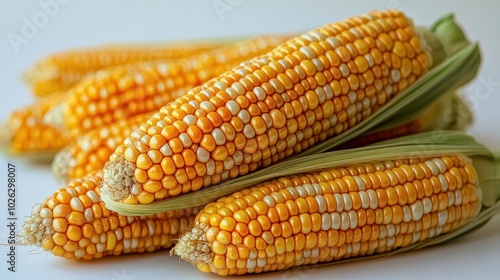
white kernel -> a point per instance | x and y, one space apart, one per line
251 264
328 91
45 213
383 232
444 182
165 150
406 214
326 221
269 201
244 116
321 203
391 230
340 202
308 51
79 253
334 42
293 192
344 70
88 214
248 131
352 97
135 189
415 236
259 93
185 140
228 163
370 60
440 164
458 197
127 243
417 210
202 155
373 198
391 241
317 63
344 219
119 234
365 199
76 204
336 221
261 262
395 75
306 253
353 218
189 120
310 189
320 92
432 166
451 198
220 85
210 167
302 191
347 201
253 254
207 106
233 107
238 87
442 217
315 252
427 205
135 243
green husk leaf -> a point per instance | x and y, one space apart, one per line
417 145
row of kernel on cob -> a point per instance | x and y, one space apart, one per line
309 89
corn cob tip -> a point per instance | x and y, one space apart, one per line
193 246
37 227
118 179
55 117
61 164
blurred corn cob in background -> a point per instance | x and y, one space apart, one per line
92 150
314 87
73 223
59 71
107 94
125 91
25 131
401 195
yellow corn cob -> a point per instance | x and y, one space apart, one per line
92 150
25 131
60 71
304 91
73 223
124 91
333 214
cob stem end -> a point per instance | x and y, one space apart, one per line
37 227
55 117
193 246
61 164
118 179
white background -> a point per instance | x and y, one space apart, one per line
88 23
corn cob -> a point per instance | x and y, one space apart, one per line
60 71
334 214
73 223
306 90
25 131
124 91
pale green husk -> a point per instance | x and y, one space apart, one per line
457 61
